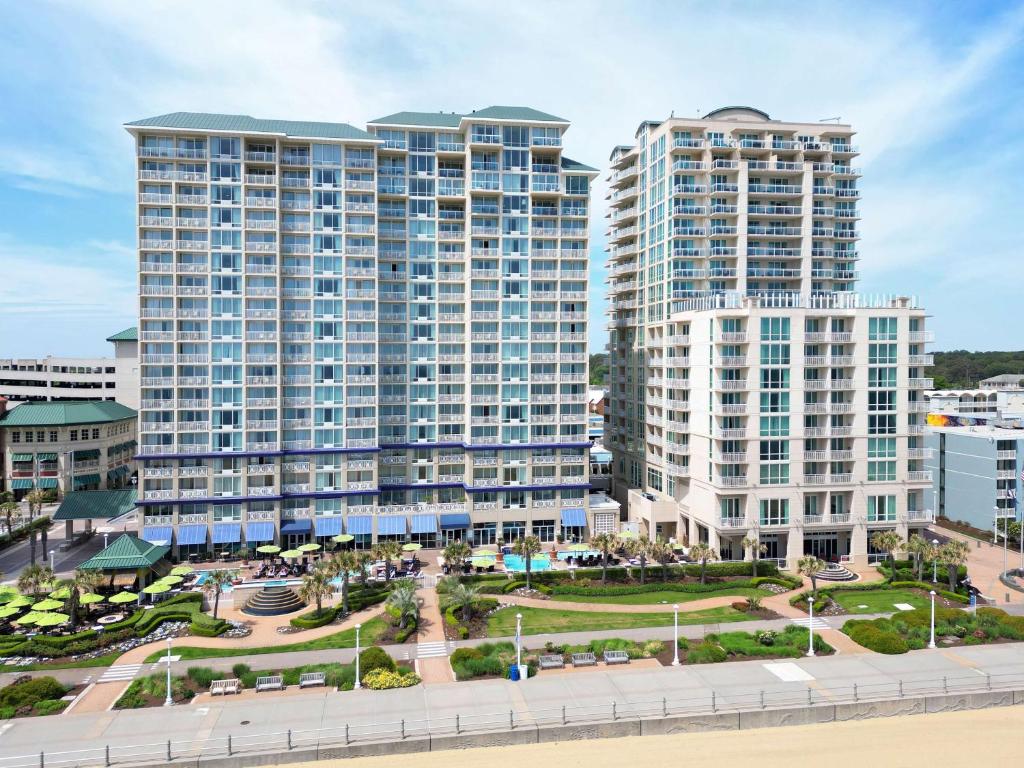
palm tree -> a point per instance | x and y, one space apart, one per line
387 551
35 500
363 560
756 550
33 579
703 554
605 543
809 566
661 553
215 581
919 548
404 603
463 597
890 543
640 548
953 554
342 564
316 585
79 584
455 555
9 508
527 547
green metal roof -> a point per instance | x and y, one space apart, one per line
128 334
127 552
207 121
452 119
93 505
64 413
575 165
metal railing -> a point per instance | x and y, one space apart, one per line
713 702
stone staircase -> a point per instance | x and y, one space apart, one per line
273 601
836 572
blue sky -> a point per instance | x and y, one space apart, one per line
935 90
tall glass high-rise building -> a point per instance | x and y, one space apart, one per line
754 395
380 332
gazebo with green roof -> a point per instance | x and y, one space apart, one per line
130 555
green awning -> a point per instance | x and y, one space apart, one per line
19 457
47 482
88 453
21 484
87 480
46 456
93 505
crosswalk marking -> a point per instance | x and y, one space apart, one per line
430 650
120 672
816 623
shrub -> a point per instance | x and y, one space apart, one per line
373 658
49 706
7 712
382 679
461 655
875 638
766 637
241 670
312 619
706 653
201 676
28 692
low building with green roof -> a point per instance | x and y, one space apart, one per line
129 555
66 446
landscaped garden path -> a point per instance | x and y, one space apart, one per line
598 607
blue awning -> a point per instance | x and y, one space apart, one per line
191 534
359 525
391 525
227 533
299 525
328 526
259 531
574 518
158 534
454 521
424 523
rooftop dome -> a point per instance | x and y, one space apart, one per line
737 113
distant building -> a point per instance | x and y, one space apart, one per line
1003 381
126 367
67 446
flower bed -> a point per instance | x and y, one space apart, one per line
32 697
911 630
791 643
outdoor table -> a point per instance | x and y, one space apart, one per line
110 619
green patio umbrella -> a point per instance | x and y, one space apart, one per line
412 547
6 612
578 548
123 597
310 547
485 551
342 538
157 588
52 619
266 549
48 605
291 554
172 580
90 597
7 594
181 570
482 561
29 618
22 601
61 594
626 534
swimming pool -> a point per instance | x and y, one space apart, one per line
537 563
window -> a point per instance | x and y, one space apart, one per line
775 354
774 426
774 450
881 378
775 329
15 437
775 512
774 474
775 378
884 400
74 434
881 448
882 329
731 508
881 471
881 509
881 354
774 402
881 424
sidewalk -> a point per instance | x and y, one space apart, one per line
435 668
984 564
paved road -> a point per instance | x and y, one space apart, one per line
479 704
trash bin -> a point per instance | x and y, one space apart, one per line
513 673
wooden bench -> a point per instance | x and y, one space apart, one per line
584 660
270 683
310 679
224 687
616 657
552 661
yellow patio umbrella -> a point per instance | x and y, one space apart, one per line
89 598
412 547
61 594
268 549
172 580
29 618
482 561
485 551
157 588
182 570
578 548
309 547
22 601
626 534
7 594
51 619
342 538
7 611
123 597
291 554
48 605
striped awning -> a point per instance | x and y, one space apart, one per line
157 534
227 533
87 480
359 525
424 523
47 482
46 456
576 517
88 453
18 458
258 531
191 534
328 526
391 525
21 484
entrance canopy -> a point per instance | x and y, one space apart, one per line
96 505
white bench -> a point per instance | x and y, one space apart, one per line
224 687
310 679
270 683
616 657
584 660
552 661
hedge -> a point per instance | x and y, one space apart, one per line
827 592
662 586
18 534
765 568
312 619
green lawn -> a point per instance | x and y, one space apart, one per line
370 631
878 600
668 596
502 623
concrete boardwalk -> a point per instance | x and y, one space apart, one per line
492 703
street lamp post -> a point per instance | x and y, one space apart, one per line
358 685
675 637
935 561
931 641
105 540
519 644
810 625
168 701
1006 536
52 553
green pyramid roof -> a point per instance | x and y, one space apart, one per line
95 505
64 413
127 552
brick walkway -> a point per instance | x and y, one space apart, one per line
434 669
984 564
